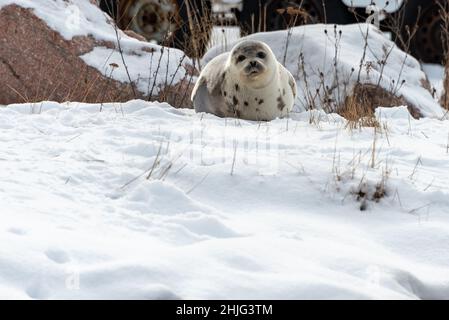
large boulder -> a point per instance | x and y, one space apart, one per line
67 50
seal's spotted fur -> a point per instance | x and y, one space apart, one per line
247 83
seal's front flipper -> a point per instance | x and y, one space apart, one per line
203 101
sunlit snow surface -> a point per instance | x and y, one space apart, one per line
141 200
144 201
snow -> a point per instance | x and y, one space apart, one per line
69 18
147 70
72 18
144 201
435 74
331 64
141 200
387 5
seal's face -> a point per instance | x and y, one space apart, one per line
254 61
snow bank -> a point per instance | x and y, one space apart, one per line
141 200
81 18
335 59
435 73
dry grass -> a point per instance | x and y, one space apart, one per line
200 25
367 192
358 107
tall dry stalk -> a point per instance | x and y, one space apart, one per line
444 12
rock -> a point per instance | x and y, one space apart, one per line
36 64
39 62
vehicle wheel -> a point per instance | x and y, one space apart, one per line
274 15
427 44
165 22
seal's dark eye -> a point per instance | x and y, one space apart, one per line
261 55
241 58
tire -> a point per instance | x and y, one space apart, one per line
166 22
427 44
267 17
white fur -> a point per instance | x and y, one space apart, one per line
265 96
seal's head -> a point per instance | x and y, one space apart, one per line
254 62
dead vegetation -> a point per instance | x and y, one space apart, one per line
365 177
359 107
367 192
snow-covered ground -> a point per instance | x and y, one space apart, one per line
141 200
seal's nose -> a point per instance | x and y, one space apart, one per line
253 64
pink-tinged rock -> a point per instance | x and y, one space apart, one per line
37 63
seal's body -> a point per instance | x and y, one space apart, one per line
247 83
